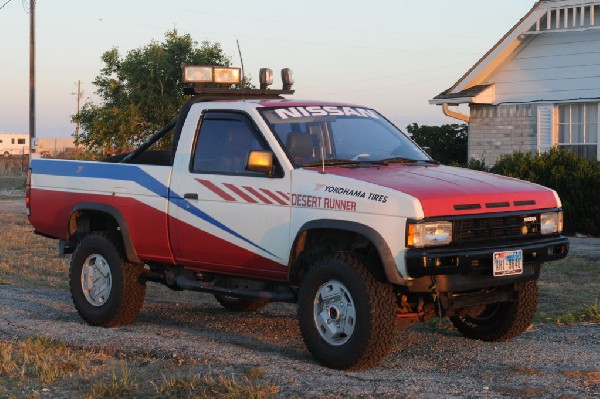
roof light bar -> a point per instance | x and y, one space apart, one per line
288 78
211 74
227 76
200 75
265 77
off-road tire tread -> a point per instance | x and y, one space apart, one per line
515 319
131 297
380 335
239 304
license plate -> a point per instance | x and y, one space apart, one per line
508 263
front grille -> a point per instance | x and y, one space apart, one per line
476 230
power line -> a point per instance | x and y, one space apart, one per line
2 6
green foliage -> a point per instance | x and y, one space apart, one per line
140 92
475 164
448 143
575 179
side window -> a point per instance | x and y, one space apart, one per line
222 146
20 141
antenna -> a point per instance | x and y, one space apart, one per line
322 148
241 59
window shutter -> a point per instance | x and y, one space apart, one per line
544 128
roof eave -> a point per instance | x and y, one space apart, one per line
451 101
500 51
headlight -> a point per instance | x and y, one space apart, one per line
551 222
429 234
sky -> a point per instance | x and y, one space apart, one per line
391 55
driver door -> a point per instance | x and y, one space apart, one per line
224 218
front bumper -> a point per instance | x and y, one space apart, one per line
474 263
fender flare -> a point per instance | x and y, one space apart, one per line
130 251
385 254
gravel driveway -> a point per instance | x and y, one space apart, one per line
547 361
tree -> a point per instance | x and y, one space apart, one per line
448 143
141 92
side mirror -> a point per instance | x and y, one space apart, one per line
260 161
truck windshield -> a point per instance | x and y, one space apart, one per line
339 134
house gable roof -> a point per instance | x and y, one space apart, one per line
545 15
467 95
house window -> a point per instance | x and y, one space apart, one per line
578 128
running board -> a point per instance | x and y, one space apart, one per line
280 294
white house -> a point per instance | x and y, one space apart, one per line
538 87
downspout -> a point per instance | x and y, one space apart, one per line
453 114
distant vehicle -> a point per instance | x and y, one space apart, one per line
14 144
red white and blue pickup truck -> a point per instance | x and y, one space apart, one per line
261 198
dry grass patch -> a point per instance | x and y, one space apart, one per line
521 370
29 260
214 386
589 377
39 366
569 291
40 358
521 392
12 182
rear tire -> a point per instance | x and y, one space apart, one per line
239 304
346 315
106 289
501 321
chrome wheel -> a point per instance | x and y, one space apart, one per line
334 313
96 280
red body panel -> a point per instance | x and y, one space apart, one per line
441 188
149 234
147 226
214 254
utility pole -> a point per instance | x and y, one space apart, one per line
79 95
32 76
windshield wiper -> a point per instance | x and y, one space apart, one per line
408 160
358 163
345 162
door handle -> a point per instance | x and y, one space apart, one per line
190 196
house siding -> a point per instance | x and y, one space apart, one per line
554 66
501 129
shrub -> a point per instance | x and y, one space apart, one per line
475 164
448 143
575 179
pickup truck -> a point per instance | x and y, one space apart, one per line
259 198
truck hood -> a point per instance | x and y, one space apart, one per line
447 191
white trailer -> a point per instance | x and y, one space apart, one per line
14 144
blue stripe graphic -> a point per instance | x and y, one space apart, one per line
133 173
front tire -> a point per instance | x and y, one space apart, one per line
502 321
106 289
346 315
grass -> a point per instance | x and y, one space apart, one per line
12 182
32 366
569 291
28 260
